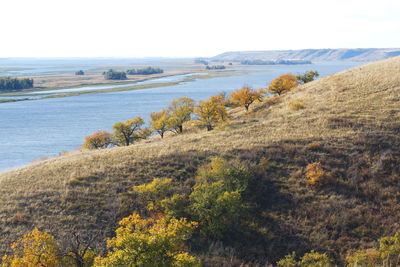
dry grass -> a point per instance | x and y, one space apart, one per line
86 190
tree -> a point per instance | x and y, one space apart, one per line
388 254
216 200
160 122
149 242
9 83
80 72
310 259
35 249
129 131
211 111
98 140
180 110
114 75
245 96
308 76
145 71
155 191
283 84
79 249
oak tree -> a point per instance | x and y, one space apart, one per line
100 139
283 84
35 249
129 131
211 111
149 242
160 122
180 110
245 96
308 76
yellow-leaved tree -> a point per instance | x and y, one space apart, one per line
283 84
160 122
180 110
150 242
35 249
245 96
211 111
129 131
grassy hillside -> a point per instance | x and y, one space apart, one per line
350 122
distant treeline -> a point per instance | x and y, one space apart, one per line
145 71
9 83
114 75
275 62
216 67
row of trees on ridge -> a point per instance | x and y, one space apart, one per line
184 110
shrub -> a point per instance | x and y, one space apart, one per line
315 175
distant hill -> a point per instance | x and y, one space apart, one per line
349 122
361 54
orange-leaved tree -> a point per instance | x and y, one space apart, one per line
245 96
211 111
283 84
100 139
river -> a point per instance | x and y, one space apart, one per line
31 130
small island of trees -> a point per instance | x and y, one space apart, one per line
216 67
114 75
9 83
145 71
80 72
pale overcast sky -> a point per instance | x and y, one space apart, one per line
170 28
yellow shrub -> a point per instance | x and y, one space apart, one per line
315 175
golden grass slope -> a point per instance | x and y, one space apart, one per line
85 190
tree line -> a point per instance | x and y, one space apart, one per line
184 111
10 83
121 75
275 62
145 71
215 67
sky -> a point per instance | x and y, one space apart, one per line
187 28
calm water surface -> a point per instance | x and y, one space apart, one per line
30 130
